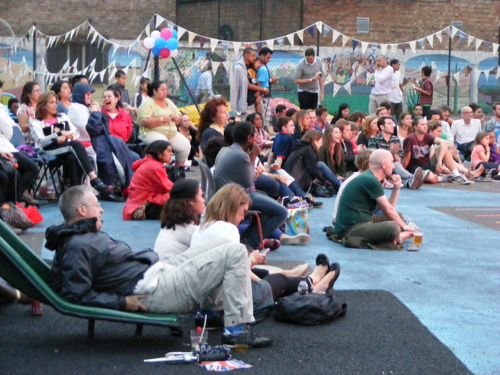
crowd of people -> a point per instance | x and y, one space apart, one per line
207 256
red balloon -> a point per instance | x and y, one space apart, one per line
166 33
164 53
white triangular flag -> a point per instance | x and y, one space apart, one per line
300 34
345 39
159 20
236 47
191 37
394 48
319 26
413 45
213 44
290 38
383 48
478 43
470 39
454 31
180 32
270 43
439 36
335 35
364 46
430 39
495 48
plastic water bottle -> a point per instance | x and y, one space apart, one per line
303 287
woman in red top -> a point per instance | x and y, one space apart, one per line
119 120
150 186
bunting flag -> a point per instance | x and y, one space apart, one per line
290 38
439 36
495 48
454 31
413 45
364 47
326 30
259 45
203 40
335 35
310 30
383 48
191 37
213 44
335 89
470 39
430 39
158 20
281 42
354 44
461 36
347 87
180 32
394 48
236 47
345 39
225 45
478 43
300 35
270 43
421 42
319 26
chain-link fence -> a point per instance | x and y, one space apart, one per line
464 70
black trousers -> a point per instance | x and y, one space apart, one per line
25 174
308 100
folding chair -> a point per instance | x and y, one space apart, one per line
25 271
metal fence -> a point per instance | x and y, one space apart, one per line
464 70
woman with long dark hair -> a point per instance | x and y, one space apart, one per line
331 152
342 113
63 92
26 112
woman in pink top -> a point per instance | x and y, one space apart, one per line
119 120
481 154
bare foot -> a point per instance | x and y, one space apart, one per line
318 274
322 286
404 235
297 271
477 172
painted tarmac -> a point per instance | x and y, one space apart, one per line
452 284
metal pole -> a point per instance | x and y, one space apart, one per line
448 79
156 69
187 87
34 52
317 42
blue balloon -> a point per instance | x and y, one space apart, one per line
174 34
172 44
160 43
156 51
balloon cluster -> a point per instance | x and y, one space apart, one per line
162 43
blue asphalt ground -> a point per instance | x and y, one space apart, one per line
452 284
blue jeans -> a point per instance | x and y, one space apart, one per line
272 215
329 175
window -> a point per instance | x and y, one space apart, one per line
363 25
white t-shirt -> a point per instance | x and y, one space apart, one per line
217 229
396 95
171 242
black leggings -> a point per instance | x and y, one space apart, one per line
281 285
153 211
25 174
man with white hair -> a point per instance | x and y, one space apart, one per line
382 84
465 130
360 199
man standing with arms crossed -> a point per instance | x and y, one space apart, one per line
381 85
310 80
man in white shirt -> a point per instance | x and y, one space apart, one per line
204 90
465 130
396 93
382 84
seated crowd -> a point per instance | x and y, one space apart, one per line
209 257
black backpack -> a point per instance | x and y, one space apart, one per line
309 309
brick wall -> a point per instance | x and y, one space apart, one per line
390 20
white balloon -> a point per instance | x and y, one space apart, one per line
155 34
149 42
174 53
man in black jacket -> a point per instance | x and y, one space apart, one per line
91 268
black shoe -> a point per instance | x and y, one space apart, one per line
246 339
214 322
315 204
322 260
107 195
334 267
98 184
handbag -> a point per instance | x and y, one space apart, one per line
15 217
6 166
309 309
297 221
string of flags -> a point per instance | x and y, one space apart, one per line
190 39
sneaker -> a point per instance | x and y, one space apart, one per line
312 202
461 179
299 239
246 339
417 180
214 322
